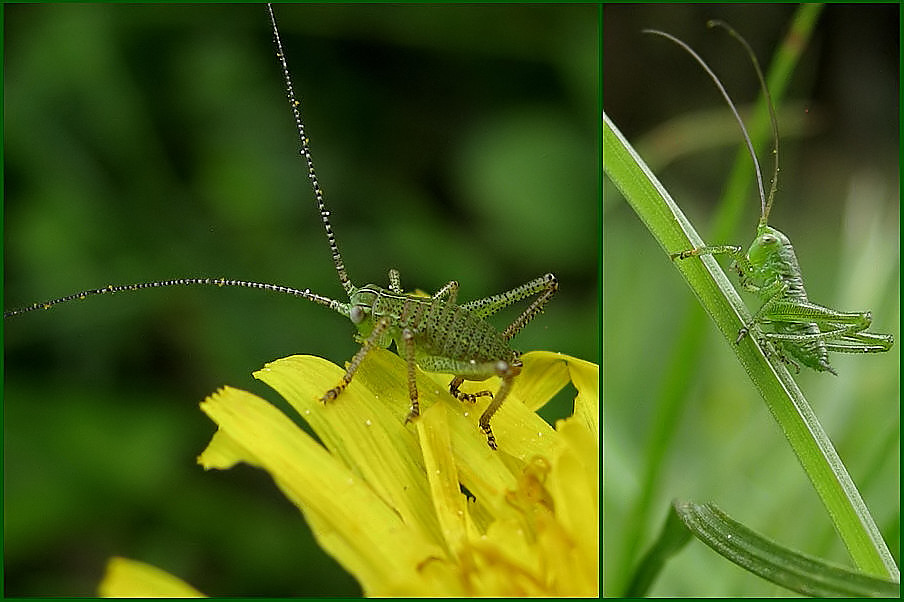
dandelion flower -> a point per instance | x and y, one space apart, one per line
428 508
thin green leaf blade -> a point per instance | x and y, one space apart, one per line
673 537
780 565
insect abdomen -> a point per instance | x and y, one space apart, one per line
812 354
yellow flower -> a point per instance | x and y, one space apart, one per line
428 508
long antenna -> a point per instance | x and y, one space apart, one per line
305 152
772 117
337 306
764 207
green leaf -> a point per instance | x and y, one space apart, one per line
673 537
773 562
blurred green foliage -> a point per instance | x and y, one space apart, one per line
678 411
151 142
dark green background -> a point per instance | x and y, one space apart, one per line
152 142
838 203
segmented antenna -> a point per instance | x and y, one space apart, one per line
765 206
305 152
337 306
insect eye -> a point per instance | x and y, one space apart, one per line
357 314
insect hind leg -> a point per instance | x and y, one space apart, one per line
862 342
466 370
545 286
490 305
508 379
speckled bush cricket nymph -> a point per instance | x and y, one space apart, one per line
435 333
787 324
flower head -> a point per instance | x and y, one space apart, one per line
428 508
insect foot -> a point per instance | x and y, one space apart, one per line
507 372
462 396
683 254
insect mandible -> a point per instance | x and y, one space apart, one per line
435 333
787 323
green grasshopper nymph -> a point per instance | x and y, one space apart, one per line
787 323
438 333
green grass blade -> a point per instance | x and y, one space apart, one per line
677 380
773 562
674 233
673 537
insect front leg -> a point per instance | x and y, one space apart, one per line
379 328
450 289
739 262
732 250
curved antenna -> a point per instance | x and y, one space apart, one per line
337 306
712 76
764 216
305 152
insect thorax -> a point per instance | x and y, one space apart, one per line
440 327
772 256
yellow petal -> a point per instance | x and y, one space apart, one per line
364 428
367 536
442 475
544 374
126 578
383 497
574 486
